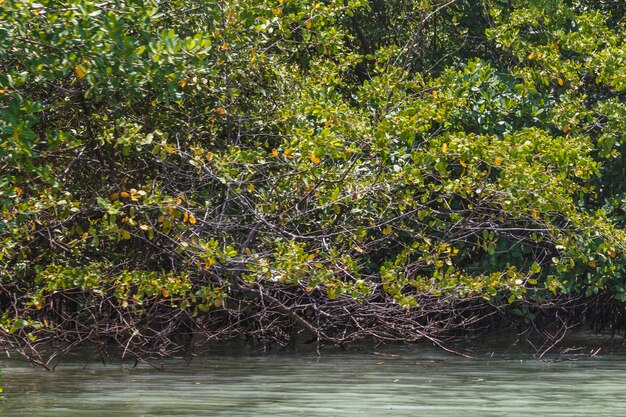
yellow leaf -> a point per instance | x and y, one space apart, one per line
611 253
161 219
192 219
560 81
532 56
444 148
358 249
169 149
566 128
220 110
308 24
314 159
85 236
463 164
124 194
275 153
185 217
2 92
224 47
125 234
498 160
592 264
534 213
250 188
182 83
277 12
311 257
115 196
209 156
80 71
144 227
387 230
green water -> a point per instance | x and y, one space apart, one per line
416 382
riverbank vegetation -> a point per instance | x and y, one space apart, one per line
177 172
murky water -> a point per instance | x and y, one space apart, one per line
403 382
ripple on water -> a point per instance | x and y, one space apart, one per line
409 382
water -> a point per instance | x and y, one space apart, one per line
402 382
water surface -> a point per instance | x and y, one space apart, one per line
396 382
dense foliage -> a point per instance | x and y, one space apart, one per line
194 164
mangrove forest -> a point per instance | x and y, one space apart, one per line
179 173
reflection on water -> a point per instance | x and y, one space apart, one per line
416 382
